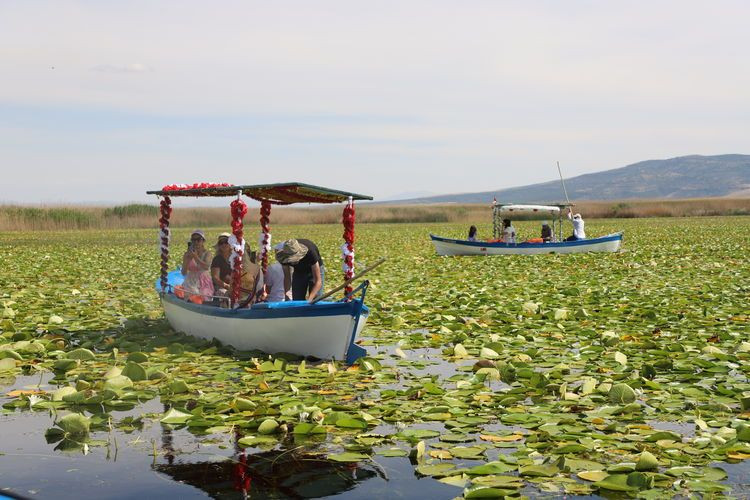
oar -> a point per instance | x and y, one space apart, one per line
352 279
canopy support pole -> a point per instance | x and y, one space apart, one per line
165 210
265 236
237 241
347 249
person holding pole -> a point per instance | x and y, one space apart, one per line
578 231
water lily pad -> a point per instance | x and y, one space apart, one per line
348 457
621 394
175 417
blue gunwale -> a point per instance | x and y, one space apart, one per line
275 310
559 244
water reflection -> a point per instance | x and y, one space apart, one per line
290 473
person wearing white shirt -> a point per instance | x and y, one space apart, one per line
275 283
578 232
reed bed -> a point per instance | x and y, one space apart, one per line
61 218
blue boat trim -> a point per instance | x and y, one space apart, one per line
559 244
295 309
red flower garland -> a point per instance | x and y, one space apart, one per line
265 213
165 210
239 210
197 185
348 221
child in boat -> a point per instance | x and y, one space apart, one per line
472 234
251 280
509 232
195 267
546 232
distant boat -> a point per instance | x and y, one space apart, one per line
452 246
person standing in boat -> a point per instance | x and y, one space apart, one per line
196 262
302 256
509 232
578 231
472 234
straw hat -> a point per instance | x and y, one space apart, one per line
199 233
222 235
291 252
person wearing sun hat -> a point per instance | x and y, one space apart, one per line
221 271
578 224
195 267
301 256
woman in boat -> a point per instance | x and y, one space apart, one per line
195 267
221 271
578 224
472 234
509 232
303 257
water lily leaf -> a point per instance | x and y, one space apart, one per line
615 482
539 470
252 441
351 423
593 475
63 391
488 353
7 364
55 320
435 469
646 461
474 452
306 428
487 492
491 468
137 357
175 417
268 426
134 372
459 351
118 383
393 452
82 354
74 424
621 358
348 457
621 394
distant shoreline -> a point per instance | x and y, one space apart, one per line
71 217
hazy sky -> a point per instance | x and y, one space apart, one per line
101 100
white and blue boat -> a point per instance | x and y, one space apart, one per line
449 246
554 244
324 329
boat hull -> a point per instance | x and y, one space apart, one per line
448 246
325 330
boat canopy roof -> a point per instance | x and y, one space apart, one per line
278 194
527 212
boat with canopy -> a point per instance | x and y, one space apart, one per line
552 244
323 329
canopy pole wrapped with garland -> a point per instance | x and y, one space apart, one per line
237 242
347 249
265 236
165 210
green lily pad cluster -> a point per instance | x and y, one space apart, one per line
611 374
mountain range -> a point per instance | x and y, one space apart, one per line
683 177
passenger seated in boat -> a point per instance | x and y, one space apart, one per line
546 232
309 273
472 234
509 232
221 271
251 281
196 262
578 232
275 281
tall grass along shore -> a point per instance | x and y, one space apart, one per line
30 218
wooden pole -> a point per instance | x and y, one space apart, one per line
349 281
563 183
